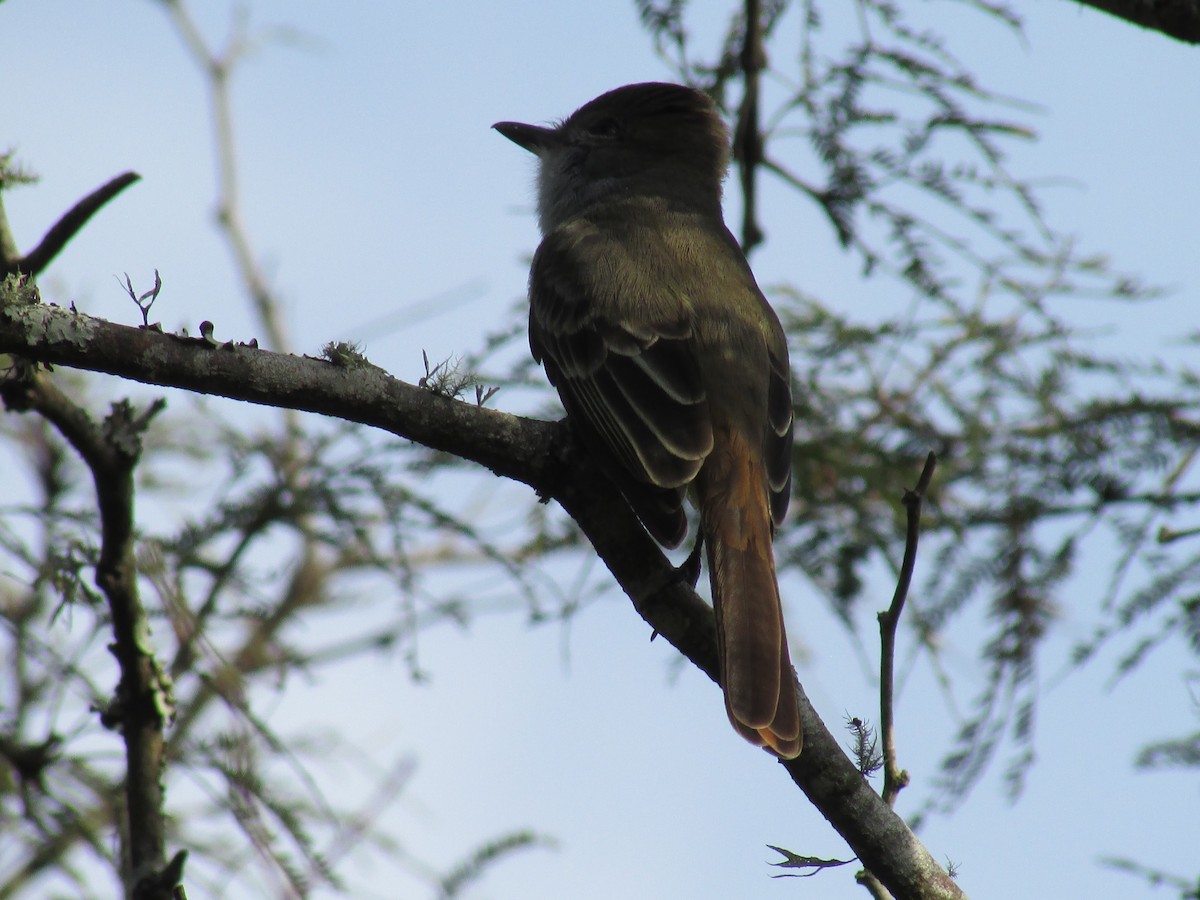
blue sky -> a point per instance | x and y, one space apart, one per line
372 182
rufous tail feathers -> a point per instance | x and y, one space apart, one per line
756 670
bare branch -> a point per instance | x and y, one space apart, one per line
747 139
540 454
218 67
895 779
1179 19
143 702
68 226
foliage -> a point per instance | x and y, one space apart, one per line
1051 452
314 526
1050 449
274 525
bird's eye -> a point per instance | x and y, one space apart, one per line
606 127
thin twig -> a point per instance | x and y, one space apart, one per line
747 140
873 885
894 778
60 234
218 68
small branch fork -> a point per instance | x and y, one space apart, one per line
894 778
143 703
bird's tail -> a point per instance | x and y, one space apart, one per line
756 671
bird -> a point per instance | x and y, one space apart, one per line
672 366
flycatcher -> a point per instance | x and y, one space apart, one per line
671 365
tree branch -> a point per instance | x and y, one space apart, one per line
540 454
67 227
747 136
1179 19
218 68
894 778
142 704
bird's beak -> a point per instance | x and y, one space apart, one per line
533 138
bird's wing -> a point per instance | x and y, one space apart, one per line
777 449
630 383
